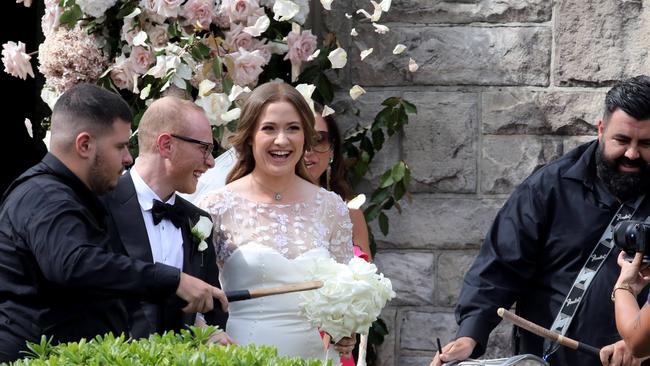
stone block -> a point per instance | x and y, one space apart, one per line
440 142
411 274
464 55
418 330
600 41
450 271
464 11
521 112
507 161
386 351
439 222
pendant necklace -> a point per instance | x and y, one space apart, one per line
276 195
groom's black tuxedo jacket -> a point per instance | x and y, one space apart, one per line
145 317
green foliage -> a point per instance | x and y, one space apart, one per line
190 348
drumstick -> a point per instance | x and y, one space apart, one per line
545 333
239 295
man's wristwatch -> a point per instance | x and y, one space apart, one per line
623 286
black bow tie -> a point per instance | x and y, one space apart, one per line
172 213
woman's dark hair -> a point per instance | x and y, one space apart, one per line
337 182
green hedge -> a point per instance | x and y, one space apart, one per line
189 348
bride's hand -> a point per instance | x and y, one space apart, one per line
221 337
345 345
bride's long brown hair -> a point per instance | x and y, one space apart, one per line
263 95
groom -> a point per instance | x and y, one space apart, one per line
155 224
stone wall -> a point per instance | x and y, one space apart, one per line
504 86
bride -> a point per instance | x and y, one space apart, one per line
271 222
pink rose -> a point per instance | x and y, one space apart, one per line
50 20
246 67
239 10
236 38
265 49
16 61
122 73
198 11
301 46
158 35
141 59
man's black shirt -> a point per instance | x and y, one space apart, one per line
59 274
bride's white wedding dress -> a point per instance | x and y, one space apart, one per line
267 245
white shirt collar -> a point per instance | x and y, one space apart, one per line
146 195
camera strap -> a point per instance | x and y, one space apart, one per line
586 275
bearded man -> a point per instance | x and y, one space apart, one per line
549 250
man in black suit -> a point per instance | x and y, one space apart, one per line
60 275
154 224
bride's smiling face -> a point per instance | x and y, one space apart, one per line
278 139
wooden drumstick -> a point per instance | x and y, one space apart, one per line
548 334
239 295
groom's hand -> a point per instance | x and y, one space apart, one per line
199 295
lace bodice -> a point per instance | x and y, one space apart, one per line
321 221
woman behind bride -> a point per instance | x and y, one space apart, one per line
271 222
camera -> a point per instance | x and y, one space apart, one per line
632 237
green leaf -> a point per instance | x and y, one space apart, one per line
386 179
325 88
409 107
398 171
227 85
383 223
392 101
399 191
378 139
371 212
217 67
383 118
71 16
380 195
126 9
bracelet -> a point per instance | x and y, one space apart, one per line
623 286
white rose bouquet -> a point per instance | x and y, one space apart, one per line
349 301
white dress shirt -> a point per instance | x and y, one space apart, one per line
166 240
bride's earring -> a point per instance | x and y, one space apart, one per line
328 172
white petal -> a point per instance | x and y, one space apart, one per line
353 32
261 25
205 86
134 13
236 91
49 96
357 201
381 29
313 55
140 39
144 93
285 10
204 226
231 115
376 14
385 5
327 111
28 125
399 48
338 58
356 92
413 66
327 4
366 53
307 90
348 16
203 246
365 13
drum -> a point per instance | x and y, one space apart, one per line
519 360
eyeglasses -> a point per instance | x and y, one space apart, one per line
205 146
323 143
